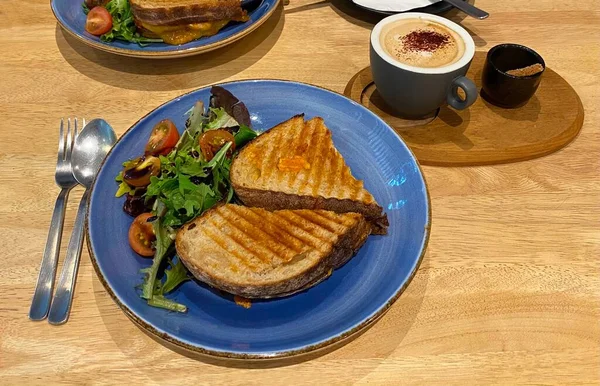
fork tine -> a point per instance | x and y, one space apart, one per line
76 131
69 141
61 140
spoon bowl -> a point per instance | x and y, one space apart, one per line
91 147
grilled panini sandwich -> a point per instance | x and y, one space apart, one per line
181 21
256 253
295 165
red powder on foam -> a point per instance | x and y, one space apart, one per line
422 40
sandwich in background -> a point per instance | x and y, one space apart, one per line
181 21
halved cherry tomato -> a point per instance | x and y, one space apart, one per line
140 170
99 21
213 140
163 138
141 235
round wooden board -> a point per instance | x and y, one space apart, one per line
483 134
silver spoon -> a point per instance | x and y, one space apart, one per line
469 9
91 147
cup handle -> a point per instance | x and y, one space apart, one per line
468 87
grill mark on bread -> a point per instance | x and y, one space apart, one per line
305 236
212 220
217 246
312 217
269 167
272 234
325 186
267 159
324 222
365 196
344 220
347 181
303 177
295 136
281 234
350 182
335 178
316 155
219 241
300 222
245 239
268 154
360 191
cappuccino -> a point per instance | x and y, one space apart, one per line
422 43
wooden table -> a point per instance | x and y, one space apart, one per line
509 288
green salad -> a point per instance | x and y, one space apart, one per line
177 179
113 20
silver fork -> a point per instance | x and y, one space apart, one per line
65 180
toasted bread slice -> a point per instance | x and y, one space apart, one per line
183 12
256 253
295 165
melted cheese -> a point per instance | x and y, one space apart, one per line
181 34
294 164
240 301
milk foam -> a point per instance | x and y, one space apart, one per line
406 40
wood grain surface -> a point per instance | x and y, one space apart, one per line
483 134
508 293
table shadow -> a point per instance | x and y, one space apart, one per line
386 337
517 113
171 74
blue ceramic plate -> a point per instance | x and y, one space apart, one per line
349 300
71 18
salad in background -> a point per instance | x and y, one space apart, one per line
113 19
176 180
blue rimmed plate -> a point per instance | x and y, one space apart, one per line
70 16
347 302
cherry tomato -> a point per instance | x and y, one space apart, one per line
140 170
163 138
213 140
141 235
99 21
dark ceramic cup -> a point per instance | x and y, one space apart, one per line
507 90
417 91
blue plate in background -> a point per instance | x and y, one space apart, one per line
348 301
70 16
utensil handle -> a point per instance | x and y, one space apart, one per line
63 297
40 304
469 9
